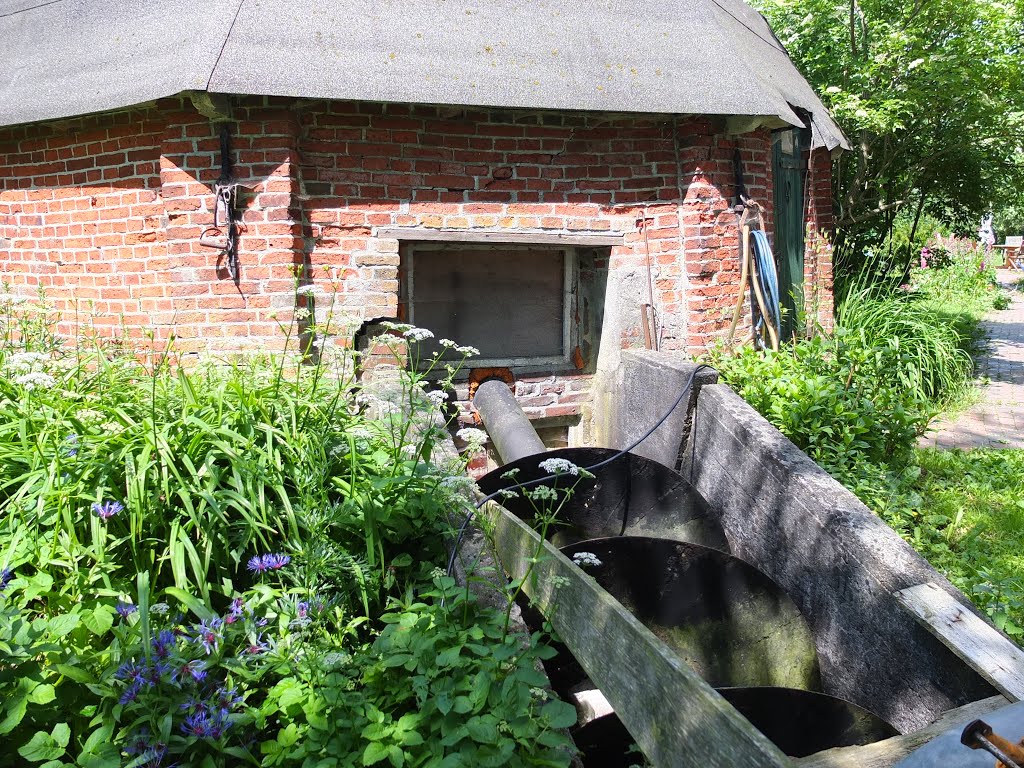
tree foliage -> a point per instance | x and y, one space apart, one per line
930 94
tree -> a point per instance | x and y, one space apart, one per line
930 93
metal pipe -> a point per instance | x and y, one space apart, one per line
510 430
979 735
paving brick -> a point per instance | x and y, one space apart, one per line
998 420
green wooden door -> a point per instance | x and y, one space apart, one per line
789 169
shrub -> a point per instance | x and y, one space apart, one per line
187 556
840 398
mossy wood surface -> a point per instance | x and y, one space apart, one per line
675 717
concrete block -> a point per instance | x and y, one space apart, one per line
647 383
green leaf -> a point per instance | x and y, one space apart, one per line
61 733
559 714
44 746
15 710
484 729
191 602
63 624
444 702
375 752
288 736
42 694
75 673
449 657
99 620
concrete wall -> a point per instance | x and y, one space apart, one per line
641 391
837 560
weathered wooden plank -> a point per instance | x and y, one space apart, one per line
492 236
676 718
982 648
884 754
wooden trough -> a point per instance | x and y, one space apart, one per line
892 635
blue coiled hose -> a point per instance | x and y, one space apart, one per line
768 280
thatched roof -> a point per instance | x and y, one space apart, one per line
61 58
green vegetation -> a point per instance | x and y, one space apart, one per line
856 400
931 96
965 513
241 563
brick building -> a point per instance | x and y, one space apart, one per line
546 181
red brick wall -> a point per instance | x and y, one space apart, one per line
80 215
710 225
105 212
818 296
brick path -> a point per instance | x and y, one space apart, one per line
998 420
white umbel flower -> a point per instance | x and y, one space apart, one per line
557 466
586 558
31 381
418 334
474 438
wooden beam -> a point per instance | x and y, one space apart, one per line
886 753
491 236
675 717
982 647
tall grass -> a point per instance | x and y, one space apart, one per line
935 362
207 468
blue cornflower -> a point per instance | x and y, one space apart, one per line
131 670
226 699
237 611
124 610
138 743
196 724
153 674
274 562
302 609
72 445
208 634
154 756
269 562
218 724
257 646
164 642
206 726
6 574
131 692
194 705
107 509
194 668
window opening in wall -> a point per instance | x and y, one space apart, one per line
513 303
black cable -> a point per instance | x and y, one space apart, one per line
605 462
